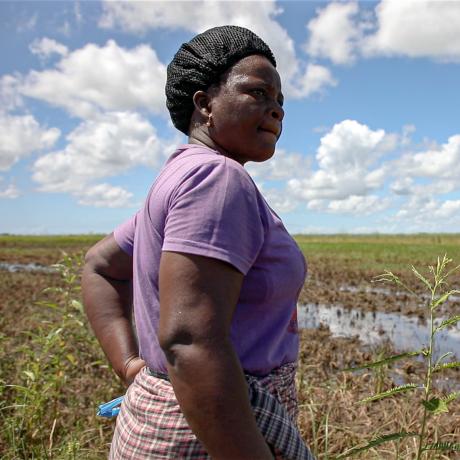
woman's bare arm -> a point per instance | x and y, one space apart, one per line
197 298
107 296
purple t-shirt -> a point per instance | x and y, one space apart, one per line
206 204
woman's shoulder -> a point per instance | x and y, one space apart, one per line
192 162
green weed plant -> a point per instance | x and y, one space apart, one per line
439 293
47 402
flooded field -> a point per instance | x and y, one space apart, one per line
402 332
346 319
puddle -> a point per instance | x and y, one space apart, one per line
32 267
404 332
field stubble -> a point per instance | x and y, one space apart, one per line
61 375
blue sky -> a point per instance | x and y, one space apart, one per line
371 139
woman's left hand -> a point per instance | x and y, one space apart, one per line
132 368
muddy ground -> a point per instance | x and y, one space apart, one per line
331 420
331 283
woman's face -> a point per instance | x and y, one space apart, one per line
246 110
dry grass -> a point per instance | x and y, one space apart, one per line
55 416
332 420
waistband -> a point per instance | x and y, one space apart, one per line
288 368
157 374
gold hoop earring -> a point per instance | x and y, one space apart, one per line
209 122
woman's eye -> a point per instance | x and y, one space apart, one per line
258 92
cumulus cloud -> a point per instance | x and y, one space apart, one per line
427 213
416 29
22 135
283 165
424 178
402 186
299 79
103 147
348 173
315 79
46 47
442 162
354 204
10 192
101 78
334 34
10 96
343 31
347 158
278 200
104 195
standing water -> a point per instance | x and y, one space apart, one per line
404 332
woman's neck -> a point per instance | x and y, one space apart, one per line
200 137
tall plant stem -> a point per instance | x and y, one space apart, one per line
428 374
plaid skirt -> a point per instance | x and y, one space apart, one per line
150 424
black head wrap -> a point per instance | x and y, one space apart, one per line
200 63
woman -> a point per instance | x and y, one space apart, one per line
215 274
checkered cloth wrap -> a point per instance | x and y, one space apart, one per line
151 425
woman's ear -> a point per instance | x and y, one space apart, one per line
201 101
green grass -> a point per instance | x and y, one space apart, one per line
60 374
48 241
377 252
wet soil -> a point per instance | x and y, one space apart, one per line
332 283
331 419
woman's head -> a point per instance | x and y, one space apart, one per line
224 83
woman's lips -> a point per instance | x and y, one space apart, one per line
273 131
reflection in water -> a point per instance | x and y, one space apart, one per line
406 333
32 267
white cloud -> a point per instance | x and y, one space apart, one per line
416 29
20 136
47 47
402 186
334 34
428 214
106 146
104 195
278 200
102 147
10 96
350 145
10 192
282 165
299 79
314 80
347 159
348 171
354 204
442 162
425 28
97 78
407 131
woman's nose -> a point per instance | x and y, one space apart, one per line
277 112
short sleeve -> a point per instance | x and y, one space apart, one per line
214 212
124 235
